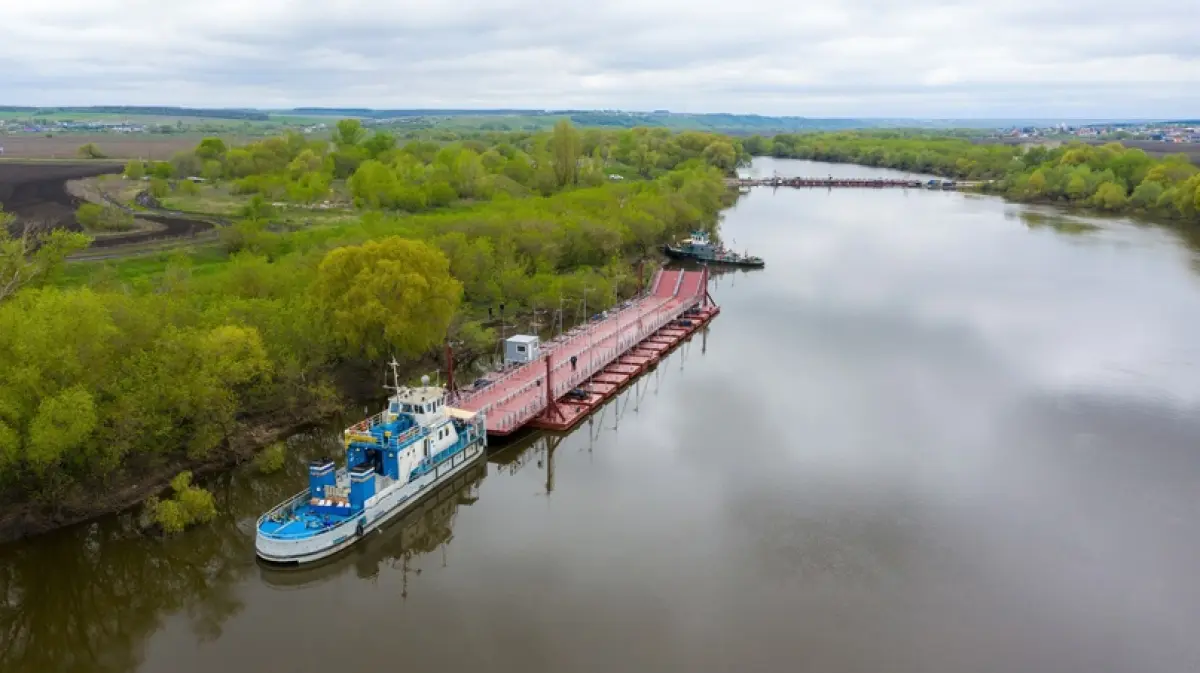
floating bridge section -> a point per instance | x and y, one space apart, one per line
856 183
642 329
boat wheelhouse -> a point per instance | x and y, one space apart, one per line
392 458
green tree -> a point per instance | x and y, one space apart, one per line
721 154
379 143
31 258
186 165
307 161
159 188
88 215
1109 196
212 170
162 170
348 133
387 296
1147 194
565 148
62 425
211 149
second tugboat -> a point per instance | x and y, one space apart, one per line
392 459
700 247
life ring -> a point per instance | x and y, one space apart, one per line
362 525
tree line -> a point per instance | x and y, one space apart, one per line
376 171
1109 177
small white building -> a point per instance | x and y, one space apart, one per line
520 349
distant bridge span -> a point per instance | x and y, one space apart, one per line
856 183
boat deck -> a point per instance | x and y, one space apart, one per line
303 521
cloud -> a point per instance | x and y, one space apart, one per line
930 58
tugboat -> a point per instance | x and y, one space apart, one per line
700 247
392 458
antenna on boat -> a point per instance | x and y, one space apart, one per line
395 376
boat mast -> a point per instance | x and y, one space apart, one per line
395 387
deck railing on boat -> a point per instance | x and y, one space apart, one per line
284 508
360 433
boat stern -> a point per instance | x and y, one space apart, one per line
301 530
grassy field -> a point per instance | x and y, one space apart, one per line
139 263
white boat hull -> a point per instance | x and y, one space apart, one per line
386 506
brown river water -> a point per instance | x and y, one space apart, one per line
939 433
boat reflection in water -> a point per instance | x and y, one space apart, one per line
423 529
714 270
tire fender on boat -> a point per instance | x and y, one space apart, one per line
362 525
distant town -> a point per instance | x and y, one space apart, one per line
1164 132
22 126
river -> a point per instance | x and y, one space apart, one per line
938 433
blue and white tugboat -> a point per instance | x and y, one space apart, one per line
392 459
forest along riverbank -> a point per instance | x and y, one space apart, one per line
119 373
987 454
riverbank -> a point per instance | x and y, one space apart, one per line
133 485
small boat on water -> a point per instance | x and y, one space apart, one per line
700 247
392 459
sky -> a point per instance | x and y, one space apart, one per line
851 58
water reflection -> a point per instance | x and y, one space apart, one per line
1063 224
84 599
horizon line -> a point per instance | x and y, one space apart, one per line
549 111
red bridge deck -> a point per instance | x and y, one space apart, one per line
518 396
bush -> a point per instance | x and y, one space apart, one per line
159 187
91 151
170 515
191 505
135 170
103 218
88 215
198 505
271 459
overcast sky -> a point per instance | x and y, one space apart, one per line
878 58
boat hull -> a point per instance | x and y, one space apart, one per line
389 506
676 253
